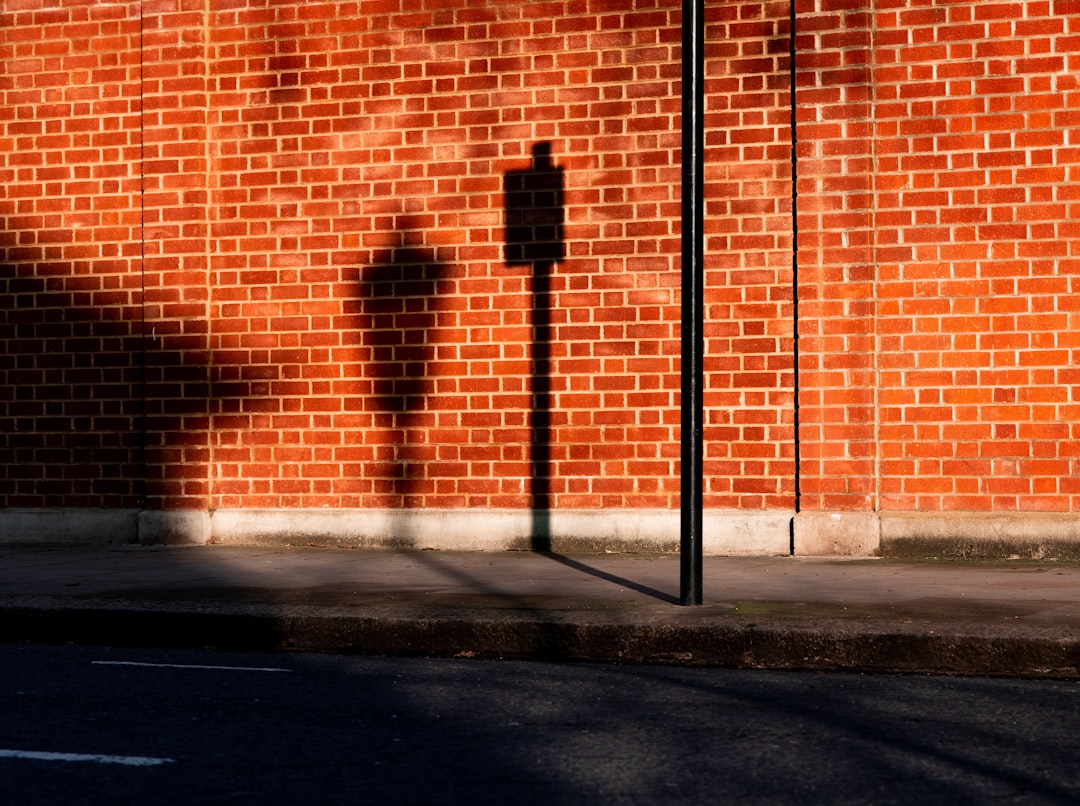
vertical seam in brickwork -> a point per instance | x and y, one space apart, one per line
211 469
872 111
145 470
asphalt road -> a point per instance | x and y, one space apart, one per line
87 725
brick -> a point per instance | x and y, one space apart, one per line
319 143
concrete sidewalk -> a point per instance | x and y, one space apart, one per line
1002 618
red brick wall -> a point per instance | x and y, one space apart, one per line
371 346
70 281
939 255
311 196
749 316
253 255
176 179
836 259
979 210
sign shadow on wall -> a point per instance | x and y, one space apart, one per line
535 215
535 218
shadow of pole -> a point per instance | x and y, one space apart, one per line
534 237
535 215
540 427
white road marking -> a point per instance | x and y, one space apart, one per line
129 761
189 666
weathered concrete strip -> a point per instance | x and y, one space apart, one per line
1015 618
911 535
702 639
727 532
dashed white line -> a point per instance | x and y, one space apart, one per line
189 666
93 758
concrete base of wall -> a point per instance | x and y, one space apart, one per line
966 535
70 526
726 532
104 526
732 533
981 535
845 534
174 528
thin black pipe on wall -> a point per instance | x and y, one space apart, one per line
795 266
693 316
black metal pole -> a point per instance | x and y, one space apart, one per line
693 316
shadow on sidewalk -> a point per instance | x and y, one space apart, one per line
621 581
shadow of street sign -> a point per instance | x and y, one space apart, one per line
534 237
535 212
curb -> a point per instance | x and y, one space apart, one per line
718 640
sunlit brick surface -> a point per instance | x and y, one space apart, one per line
253 254
940 254
70 273
311 195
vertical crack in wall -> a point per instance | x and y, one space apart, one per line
143 436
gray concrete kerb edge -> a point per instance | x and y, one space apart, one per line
777 645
